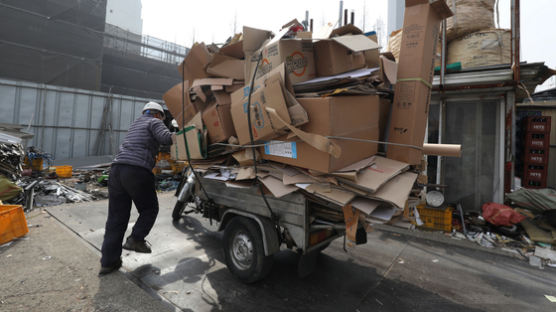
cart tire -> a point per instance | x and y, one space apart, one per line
244 250
178 210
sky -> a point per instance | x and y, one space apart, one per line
185 22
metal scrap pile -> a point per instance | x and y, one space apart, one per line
11 157
52 192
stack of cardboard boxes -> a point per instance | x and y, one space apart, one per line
319 104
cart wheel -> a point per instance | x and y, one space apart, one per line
178 210
244 250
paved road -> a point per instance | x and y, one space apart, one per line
390 273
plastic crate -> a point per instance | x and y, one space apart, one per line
538 141
12 223
535 176
436 218
538 124
64 171
535 157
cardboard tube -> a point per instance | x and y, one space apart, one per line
450 150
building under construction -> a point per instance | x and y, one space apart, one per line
68 43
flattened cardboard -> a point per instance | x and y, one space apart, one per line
380 172
218 120
414 78
388 70
396 191
226 66
372 56
333 194
195 63
297 179
212 81
348 116
365 205
245 157
277 188
173 99
350 172
356 43
234 50
246 173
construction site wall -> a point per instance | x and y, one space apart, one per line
69 122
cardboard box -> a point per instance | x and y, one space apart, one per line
196 139
414 78
343 51
372 56
195 63
226 66
253 39
174 101
346 116
296 53
269 91
263 125
218 121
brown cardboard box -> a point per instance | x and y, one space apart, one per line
414 78
195 63
372 56
226 66
196 139
344 49
297 54
263 125
342 54
173 99
253 39
347 116
269 92
218 120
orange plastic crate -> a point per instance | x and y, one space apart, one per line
12 223
436 218
64 171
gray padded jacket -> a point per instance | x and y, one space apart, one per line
140 146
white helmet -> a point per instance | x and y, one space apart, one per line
153 106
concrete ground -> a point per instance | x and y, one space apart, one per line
52 269
186 271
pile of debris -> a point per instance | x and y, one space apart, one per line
322 113
11 157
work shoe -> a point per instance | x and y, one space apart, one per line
110 269
137 246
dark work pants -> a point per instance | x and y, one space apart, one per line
128 183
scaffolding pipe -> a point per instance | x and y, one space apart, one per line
340 14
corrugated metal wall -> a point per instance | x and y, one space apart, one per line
68 122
